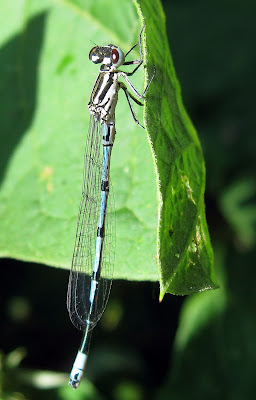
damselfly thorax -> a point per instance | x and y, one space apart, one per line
104 96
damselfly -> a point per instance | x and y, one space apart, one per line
93 257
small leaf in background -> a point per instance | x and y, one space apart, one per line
238 209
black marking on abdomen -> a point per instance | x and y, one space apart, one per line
104 186
106 138
100 232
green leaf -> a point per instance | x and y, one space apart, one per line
46 83
185 254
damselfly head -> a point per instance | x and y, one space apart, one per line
110 56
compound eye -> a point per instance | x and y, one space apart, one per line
115 56
91 53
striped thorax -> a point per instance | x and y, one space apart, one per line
104 96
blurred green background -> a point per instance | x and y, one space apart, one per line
195 347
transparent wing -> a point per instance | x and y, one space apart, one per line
84 251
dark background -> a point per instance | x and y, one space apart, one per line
132 353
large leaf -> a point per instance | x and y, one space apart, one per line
46 83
